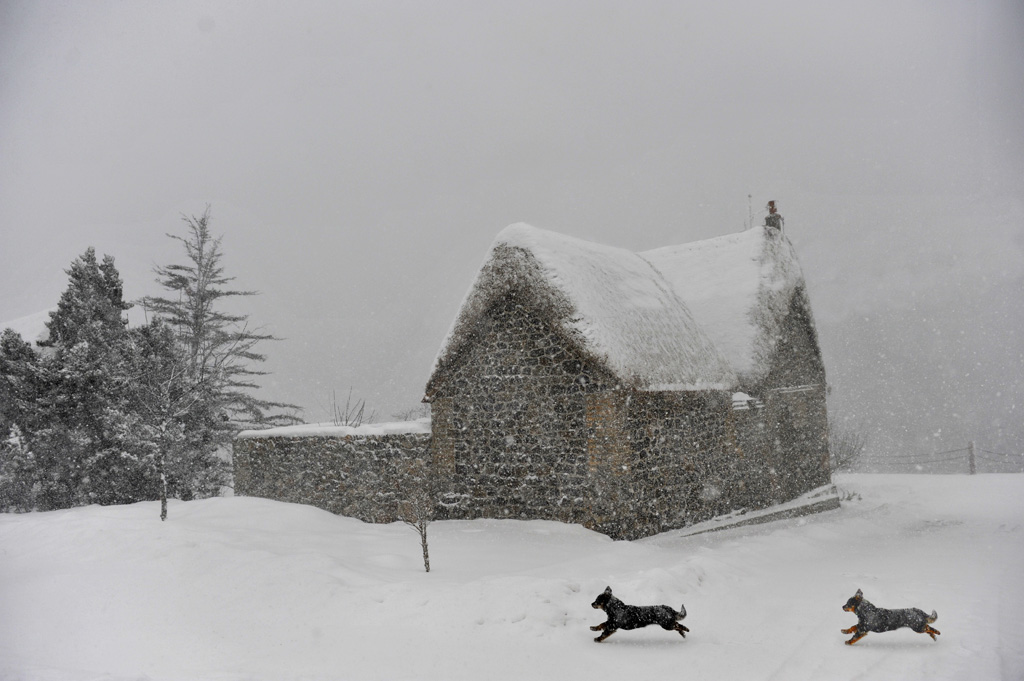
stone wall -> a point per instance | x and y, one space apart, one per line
510 421
795 414
677 459
353 475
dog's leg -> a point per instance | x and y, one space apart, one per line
856 638
931 632
599 627
605 635
850 630
681 629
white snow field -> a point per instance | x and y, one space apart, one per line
242 588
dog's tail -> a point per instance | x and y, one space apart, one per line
931 618
682 613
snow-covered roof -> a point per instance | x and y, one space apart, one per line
610 301
331 430
739 288
702 315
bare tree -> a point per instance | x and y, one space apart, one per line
416 501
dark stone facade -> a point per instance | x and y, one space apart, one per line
795 415
510 424
355 475
525 427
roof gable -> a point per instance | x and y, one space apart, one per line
608 301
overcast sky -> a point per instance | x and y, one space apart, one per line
360 157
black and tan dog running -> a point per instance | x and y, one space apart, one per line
622 616
874 619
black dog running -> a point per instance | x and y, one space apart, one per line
622 616
874 619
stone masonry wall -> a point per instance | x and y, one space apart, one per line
356 476
795 414
510 422
682 460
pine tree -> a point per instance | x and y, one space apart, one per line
220 347
91 307
18 389
18 473
87 331
40 455
60 454
110 414
78 400
172 418
117 415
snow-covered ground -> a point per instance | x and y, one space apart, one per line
241 588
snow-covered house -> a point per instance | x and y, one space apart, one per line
630 392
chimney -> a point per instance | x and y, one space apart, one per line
773 219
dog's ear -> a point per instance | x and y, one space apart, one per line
859 595
608 590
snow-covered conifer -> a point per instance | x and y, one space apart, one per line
18 473
220 346
18 387
92 306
